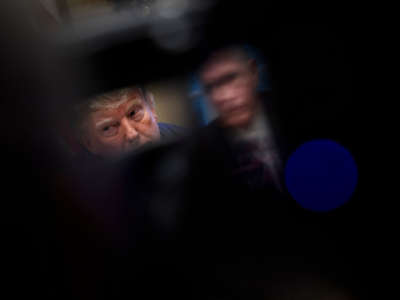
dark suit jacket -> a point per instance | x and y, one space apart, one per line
168 131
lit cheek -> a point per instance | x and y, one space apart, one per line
243 116
246 95
100 145
148 129
111 145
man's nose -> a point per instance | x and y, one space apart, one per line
222 94
130 132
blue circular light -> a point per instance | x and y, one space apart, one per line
321 175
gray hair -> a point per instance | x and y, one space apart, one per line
234 52
115 98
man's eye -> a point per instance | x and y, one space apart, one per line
109 130
229 78
136 114
208 88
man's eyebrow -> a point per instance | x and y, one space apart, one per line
221 80
134 101
228 76
104 121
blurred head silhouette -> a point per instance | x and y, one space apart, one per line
230 80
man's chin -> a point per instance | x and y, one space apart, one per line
138 147
238 121
133 149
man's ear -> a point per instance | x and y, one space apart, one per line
253 66
86 141
152 105
254 70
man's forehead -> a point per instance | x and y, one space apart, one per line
134 97
221 66
131 97
117 108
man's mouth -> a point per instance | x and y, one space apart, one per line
235 110
132 146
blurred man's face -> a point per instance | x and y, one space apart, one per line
230 84
121 128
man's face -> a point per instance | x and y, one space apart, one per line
121 128
230 84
